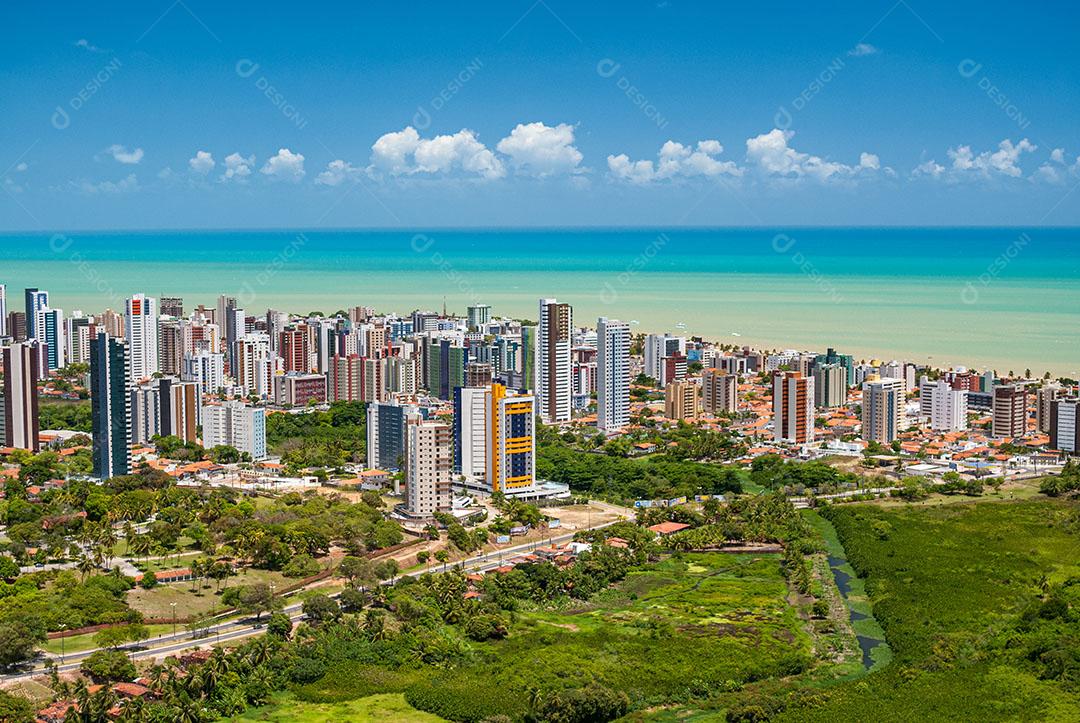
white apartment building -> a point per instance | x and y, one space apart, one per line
613 374
235 424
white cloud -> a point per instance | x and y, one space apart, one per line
404 152
336 172
966 164
129 183
541 150
286 165
863 49
122 155
21 167
771 155
675 160
202 162
87 45
1057 168
237 167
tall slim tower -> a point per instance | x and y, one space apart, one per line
141 334
613 374
883 409
35 300
109 403
3 311
553 369
793 407
20 403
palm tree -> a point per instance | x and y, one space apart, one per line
85 565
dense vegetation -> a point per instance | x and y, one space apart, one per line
627 479
979 604
65 415
319 439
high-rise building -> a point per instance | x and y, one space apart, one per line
386 434
1044 398
78 331
882 409
657 348
110 406
470 431
141 334
235 424
845 360
180 406
35 300
446 360
1065 425
428 475
946 407
292 347
3 311
171 346
1010 411
511 440
20 402
612 374
682 400
673 368
49 330
145 412
793 407
478 315
719 392
172 306
255 366
553 370
478 374
830 385
16 325
299 389
207 369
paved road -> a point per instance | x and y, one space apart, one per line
234 629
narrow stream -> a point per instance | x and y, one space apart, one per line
843 584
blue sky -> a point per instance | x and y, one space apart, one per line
123 114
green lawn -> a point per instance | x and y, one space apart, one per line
75 643
384 708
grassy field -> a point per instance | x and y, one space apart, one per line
155 603
384 708
950 585
75 643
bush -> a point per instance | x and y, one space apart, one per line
301 566
107 666
149 581
464 698
591 704
280 626
307 670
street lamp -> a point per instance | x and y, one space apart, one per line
173 606
62 629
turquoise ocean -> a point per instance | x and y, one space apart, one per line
1005 298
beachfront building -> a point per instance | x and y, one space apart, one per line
659 347
1043 399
